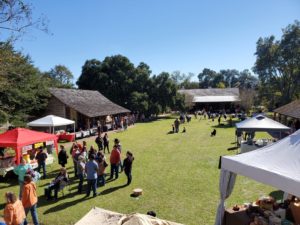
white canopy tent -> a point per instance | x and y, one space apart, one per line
277 165
261 123
51 121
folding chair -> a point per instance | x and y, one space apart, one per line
63 185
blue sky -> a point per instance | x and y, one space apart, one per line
168 35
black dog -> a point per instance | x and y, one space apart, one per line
213 133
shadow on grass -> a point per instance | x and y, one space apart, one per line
232 148
278 195
9 180
112 189
64 205
221 125
2 206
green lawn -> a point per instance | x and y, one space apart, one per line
178 173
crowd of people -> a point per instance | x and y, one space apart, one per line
89 165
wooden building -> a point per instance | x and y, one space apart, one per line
85 107
289 114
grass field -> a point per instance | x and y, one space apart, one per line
178 173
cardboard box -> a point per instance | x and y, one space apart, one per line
295 208
236 217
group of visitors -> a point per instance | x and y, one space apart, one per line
92 164
102 142
89 165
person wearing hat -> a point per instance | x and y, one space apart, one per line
41 159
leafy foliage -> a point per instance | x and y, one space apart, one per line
227 78
23 90
278 66
60 76
129 86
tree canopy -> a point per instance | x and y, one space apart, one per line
278 66
129 86
227 78
23 90
60 76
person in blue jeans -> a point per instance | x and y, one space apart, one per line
41 159
91 170
80 172
29 199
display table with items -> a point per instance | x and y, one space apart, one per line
66 137
247 146
85 133
23 143
265 211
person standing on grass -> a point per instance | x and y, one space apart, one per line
106 143
41 159
119 147
29 199
127 165
115 159
91 169
14 213
102 165
80 172
21 171
99 142
176 124
62 156
75 154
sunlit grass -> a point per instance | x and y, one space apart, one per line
178 173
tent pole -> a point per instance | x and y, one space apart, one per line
280 135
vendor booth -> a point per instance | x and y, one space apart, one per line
259 123
51 122
21 142
277 165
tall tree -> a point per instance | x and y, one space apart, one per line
246 80
60 76
24 91
209 78
129 86
278 66
230 77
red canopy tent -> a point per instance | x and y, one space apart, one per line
20 137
